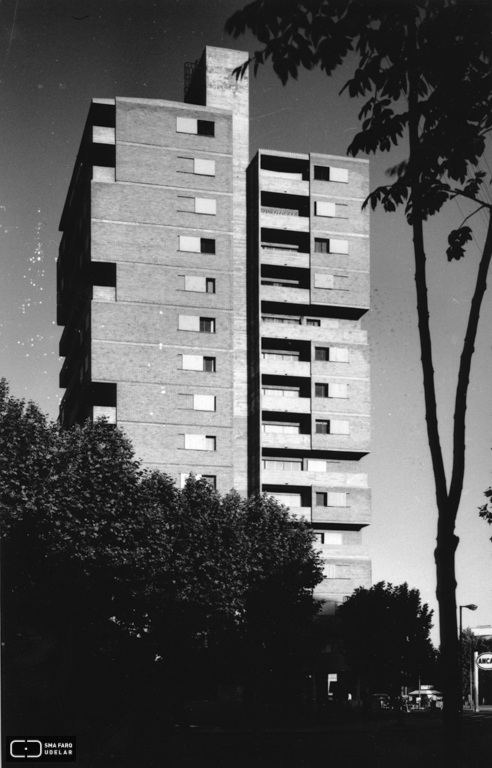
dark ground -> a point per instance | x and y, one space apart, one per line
379 742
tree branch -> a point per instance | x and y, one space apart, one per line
464 374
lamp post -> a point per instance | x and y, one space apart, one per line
471 607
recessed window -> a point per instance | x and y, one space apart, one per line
194 126
283 465
196 244
198 363
322 354
205 128
313 322
331 245
319 537
210 285
279 283
321 499
207 245
331 354
321 390
321 173
325 173
211 480
280 392
281 320
281 429
333 427
279 356
209 364
207 325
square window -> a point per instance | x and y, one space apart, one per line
321 173
209 364
210 443
322 353
321 245
207 325
319 537
207 245
322 427
210 284
211 480
321 390
205 128
321 499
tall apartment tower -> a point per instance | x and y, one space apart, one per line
212 310
308 287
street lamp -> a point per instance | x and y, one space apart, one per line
471 607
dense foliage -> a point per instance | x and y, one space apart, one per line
117 582
423 68
385 632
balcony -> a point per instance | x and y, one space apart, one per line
320 479
283 182
283 257
352 551
286 404
274 440
324 334
285 367
301 513
283 294
283 218
359 514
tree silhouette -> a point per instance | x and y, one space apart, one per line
385 631
115 581
423 67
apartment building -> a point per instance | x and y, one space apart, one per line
212 307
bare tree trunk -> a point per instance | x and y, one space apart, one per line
447 503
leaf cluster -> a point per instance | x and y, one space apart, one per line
91 540
441 45
385 632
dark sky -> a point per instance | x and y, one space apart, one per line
55 55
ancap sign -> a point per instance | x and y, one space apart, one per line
484 661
